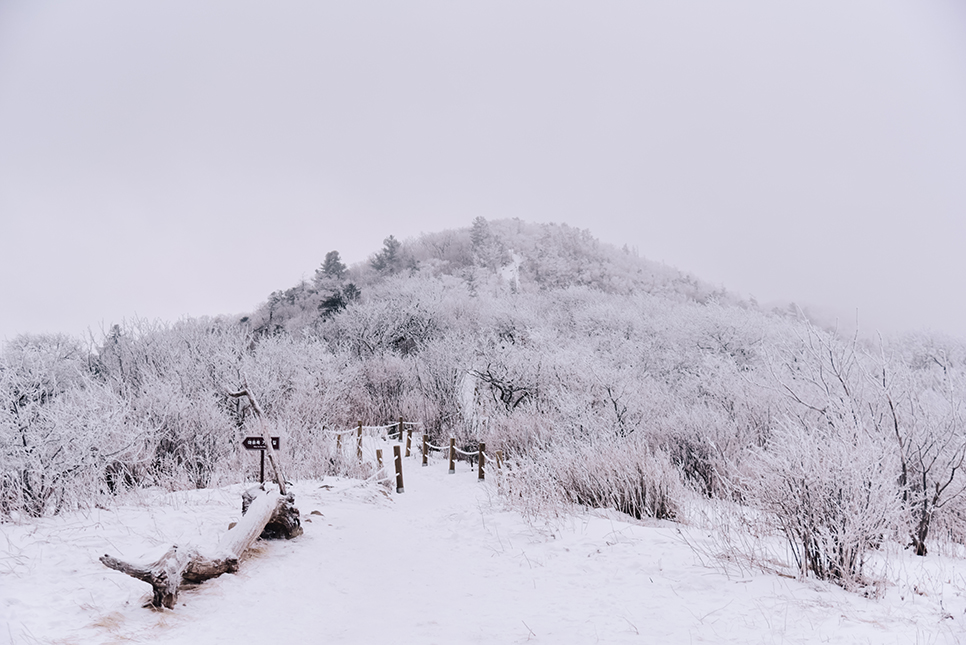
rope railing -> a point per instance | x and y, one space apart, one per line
387 426
405 428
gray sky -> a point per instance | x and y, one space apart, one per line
163 159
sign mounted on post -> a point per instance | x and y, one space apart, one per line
258 443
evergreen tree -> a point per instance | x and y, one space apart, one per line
479 233
351 293
333 266
334 303
388 259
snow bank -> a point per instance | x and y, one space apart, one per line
443 563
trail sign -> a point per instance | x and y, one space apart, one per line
258 443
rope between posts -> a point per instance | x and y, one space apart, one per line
352 432
355 430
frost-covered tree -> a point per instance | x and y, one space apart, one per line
389 259
921 408
333 267
825 475
54 425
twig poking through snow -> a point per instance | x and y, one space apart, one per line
529 630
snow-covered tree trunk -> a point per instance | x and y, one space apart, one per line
181 565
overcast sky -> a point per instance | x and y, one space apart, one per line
162 159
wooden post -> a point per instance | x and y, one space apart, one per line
425 450
400 430
338 444
499 459
379 457
452 455
409 440
482 460
359 442
398 459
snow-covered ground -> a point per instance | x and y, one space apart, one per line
444 563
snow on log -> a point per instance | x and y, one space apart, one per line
285 521
180 565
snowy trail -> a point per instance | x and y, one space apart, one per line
440 563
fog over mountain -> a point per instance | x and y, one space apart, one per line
186 158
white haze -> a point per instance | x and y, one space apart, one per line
164 159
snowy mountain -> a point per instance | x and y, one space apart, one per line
609 383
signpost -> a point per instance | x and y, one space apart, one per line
258 443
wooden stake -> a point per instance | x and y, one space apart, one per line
482 460
452 455
359 442
398 459
409 440
338 444
400 430
425 450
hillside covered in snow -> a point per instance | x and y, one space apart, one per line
612 385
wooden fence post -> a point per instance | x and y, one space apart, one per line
400 430
398 460
425 450
359 442
409 440
452 455
379 457
481 448
338 445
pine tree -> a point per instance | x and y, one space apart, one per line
388 259
332 269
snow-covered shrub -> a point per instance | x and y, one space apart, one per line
173 380
439 375
920 389
526 432
623 474
602 472
529 486
373 389
831 493
825 475
60 430
192 438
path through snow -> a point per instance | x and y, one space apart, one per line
441 563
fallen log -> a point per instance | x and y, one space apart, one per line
285 522
186 565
